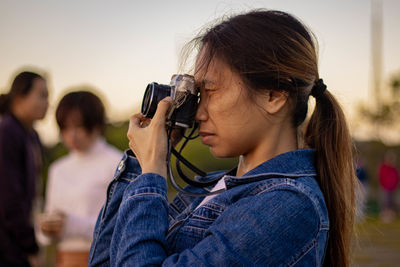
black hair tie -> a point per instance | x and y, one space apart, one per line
318 88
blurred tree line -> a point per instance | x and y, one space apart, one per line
386 113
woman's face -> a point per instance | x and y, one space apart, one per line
231 124
74 134
36 102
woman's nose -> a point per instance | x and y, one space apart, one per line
201 113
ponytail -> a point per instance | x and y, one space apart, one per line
4 103
327 132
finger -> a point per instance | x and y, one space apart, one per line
161 112
136 119
145 122
134 123
176 135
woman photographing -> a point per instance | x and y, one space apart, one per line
289 202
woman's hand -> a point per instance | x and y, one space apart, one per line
148 139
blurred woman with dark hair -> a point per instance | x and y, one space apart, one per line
291 199
20 164
77 182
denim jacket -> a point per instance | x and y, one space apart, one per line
274 215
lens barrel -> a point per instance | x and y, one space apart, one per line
154 93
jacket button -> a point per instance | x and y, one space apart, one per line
121 165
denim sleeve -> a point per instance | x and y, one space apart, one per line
275 228
142 223
127 170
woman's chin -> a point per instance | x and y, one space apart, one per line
220 154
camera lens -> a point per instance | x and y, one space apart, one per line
154 93
148 95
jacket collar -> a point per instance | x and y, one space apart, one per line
17 122
293 164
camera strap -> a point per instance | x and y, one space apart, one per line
179 159
187 163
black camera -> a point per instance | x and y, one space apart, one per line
185 95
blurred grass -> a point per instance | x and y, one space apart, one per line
377 243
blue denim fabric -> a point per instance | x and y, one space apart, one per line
274 215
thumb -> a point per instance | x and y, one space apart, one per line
162 109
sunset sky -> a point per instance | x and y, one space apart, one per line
118 47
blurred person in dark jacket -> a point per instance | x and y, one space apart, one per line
20 164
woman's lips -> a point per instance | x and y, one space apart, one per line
206 137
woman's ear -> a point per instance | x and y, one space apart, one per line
275 101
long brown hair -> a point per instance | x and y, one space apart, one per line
274 50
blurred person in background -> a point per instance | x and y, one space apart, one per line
20 166
362 198
388 180
291 199
77 182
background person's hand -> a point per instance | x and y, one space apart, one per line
52 224
34 260
148 139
